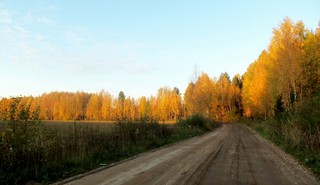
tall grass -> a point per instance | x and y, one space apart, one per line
32 152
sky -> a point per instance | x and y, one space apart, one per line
134 46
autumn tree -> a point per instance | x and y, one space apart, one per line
190 100
107 109
199 96
93 109
237 82
154 108
144 108
46 106
4 108
129 109
311 64
258 95
119 110
222 103
284 74
163 102
286 55
175 104
227 98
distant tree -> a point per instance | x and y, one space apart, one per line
258 94
144 108
107 107
237 81
176 90
175 104
199 95
121 96
129 109
93 111
164 103
190 100
120 106
154 107
224 97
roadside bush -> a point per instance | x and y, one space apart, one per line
197 121
21 145
307 114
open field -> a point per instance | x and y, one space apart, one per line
94 123
53 122
69 124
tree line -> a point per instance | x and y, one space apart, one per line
285 75
167 105
99 106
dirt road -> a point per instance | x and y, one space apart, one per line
232 154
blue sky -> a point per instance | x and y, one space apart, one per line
133 46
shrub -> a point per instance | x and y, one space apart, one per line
307 113
197 121
21 145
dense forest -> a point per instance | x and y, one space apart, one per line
286 74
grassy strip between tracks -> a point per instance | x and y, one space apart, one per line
31 152
301 143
